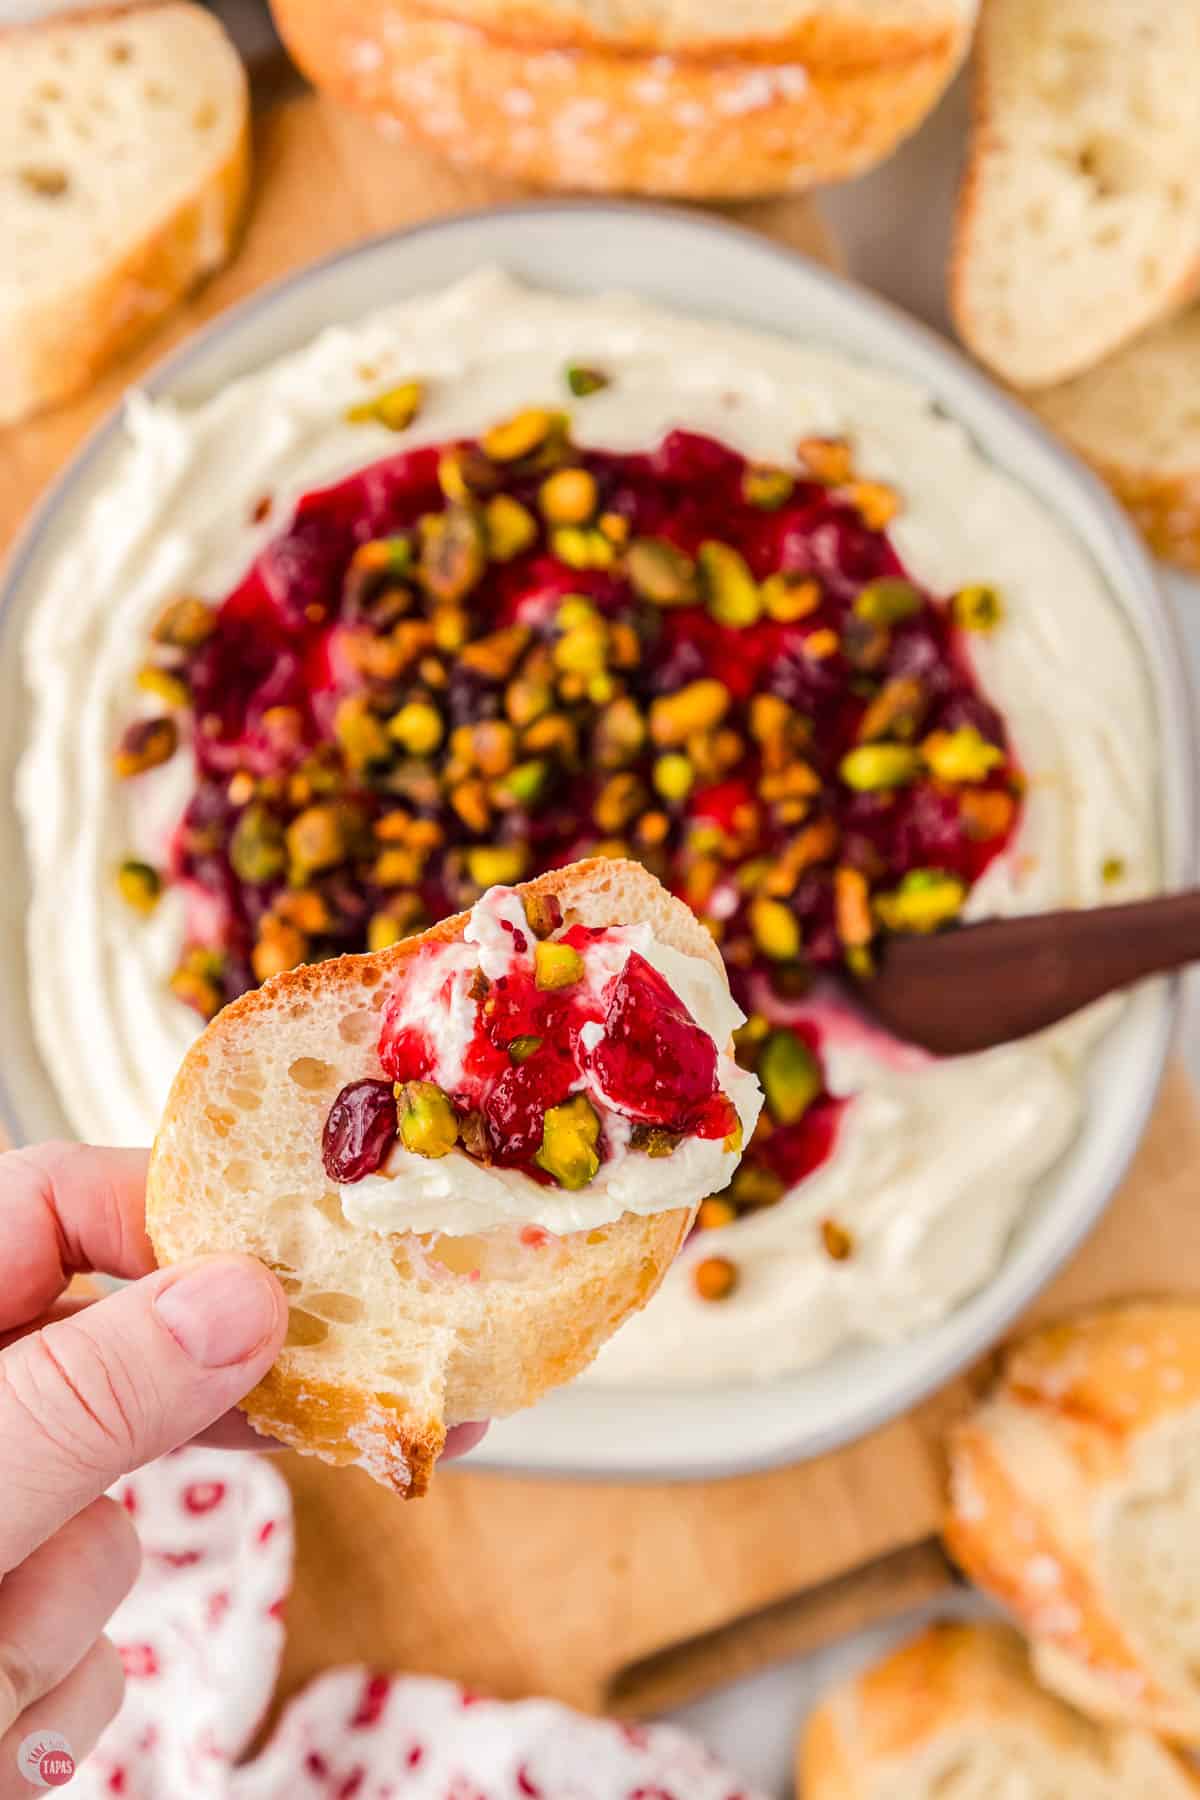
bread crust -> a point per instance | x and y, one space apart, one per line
513 1350
954 1682
50 354
590 117
1044 1475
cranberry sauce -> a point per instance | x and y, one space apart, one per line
520 1093
461 667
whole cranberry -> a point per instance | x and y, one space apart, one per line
360 1130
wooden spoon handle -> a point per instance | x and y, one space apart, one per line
1097 951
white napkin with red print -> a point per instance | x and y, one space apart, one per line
201 1636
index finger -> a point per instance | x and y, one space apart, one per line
68 1210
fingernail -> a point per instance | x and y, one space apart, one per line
218 1312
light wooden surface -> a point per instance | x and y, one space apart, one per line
522 1586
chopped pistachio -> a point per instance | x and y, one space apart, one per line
583 381
497 865
570 1133
715 1278
714 1213
674 775
383 930
526 699
877 503
986 813
470 801
925 900
821 644
729 589
280 947
257 849
838 1243
427 1121
522 1048
145 745
888 601
654 1141
316 839
556 965
977 608
526 782
896 710
453 553
496 655
395 408
1112 870
618 803
871 768
360 733
583 647
543 914
619 733
451 628
520 436
775 928
961 756
139 885
417 727
790 1076
511 527
787 597
660 573
826 459
473 1131
197 988
171 689
852 906
185 623
697 707
754 1185
569 497
582 547
766 487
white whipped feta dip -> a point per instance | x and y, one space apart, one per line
461 1197
933 1163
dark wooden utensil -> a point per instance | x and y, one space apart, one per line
979 985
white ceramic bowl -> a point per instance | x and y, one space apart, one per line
700 265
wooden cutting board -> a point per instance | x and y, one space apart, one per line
522 1586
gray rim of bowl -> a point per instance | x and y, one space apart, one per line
1137 566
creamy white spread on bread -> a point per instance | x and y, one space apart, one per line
460 1196
934 1162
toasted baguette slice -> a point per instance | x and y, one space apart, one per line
1136 419
124 162
392 1338
1076 1501
958 1715
698 101
1079 217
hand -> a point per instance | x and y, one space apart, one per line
88 1392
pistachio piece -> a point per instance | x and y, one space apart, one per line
464 473
360 733
451 628
427 1121
986 813
583 381
139 885
871 768
316 839
197 981
619 733
497 865
852 906
790 1076
766 487
1112 869
417 727
172 690
582 547
754 1185
865 645
569 497
518 437
570 1133
826 459
510 526
962 755
775 928
618 803
925 900
715 1278
522 1048
525 784
660 573
543 914
888 601
526 699
185 623
730 591
654 1141
615 527
473 1131
821 644
395 408
977 608
556 965
697 707
674 776
496 655
144 745
257 849
453 553
470 801
895 711
397 867
787 597
384 930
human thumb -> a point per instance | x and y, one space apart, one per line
92 1396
